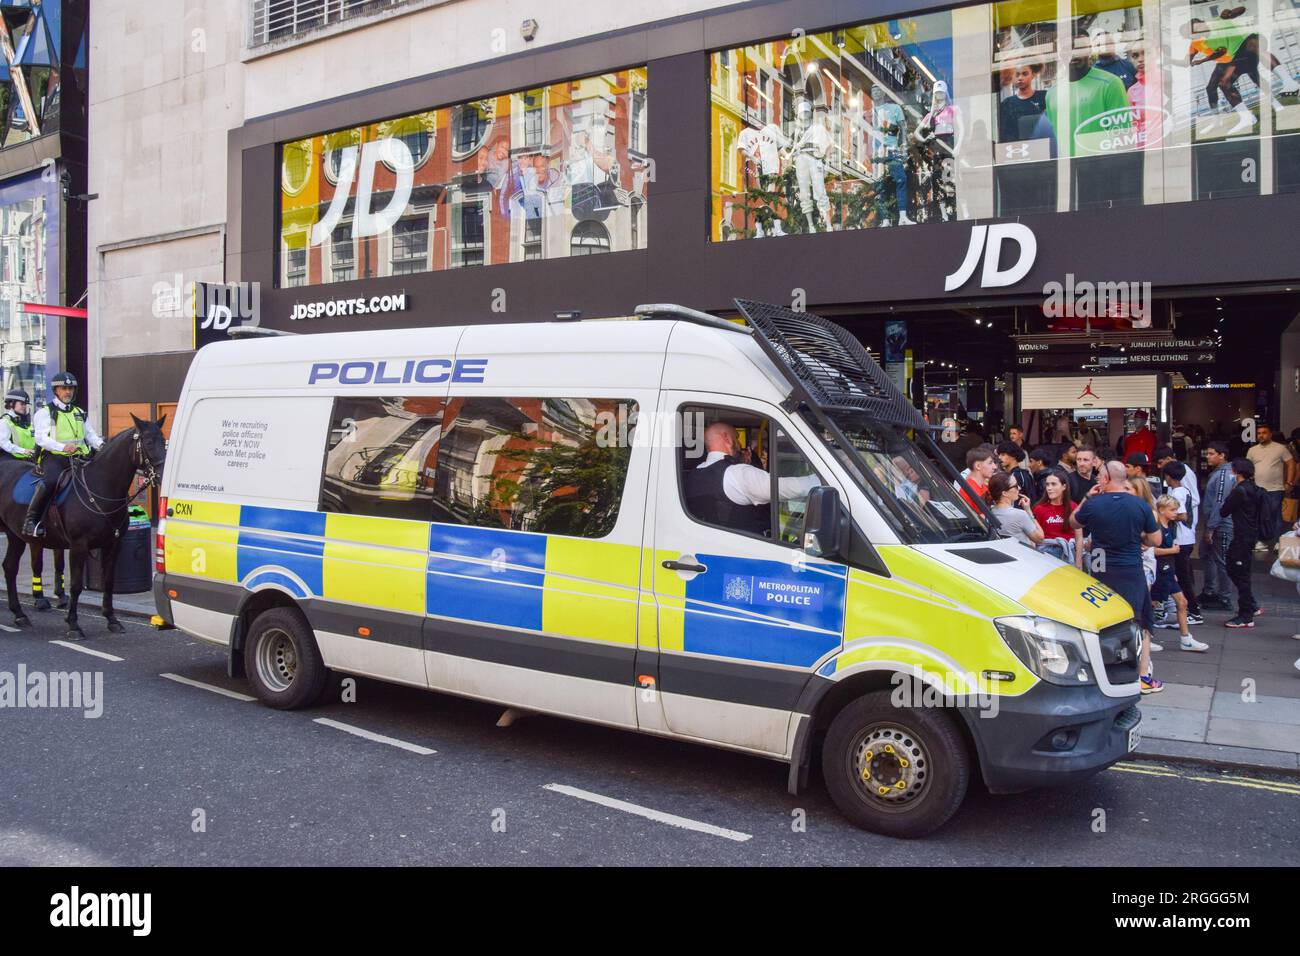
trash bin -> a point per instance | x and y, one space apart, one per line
134 571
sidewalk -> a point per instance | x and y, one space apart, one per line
1201 714
1206 711
139 605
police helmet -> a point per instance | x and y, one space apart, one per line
68 380
16 395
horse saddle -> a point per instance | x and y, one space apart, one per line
26 486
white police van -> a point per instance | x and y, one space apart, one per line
518 514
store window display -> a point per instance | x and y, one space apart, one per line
495 180
1093 104
841 130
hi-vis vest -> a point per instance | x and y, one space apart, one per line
22 436
69 428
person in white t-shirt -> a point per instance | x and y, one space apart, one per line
1182 488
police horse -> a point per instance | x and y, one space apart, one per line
87 512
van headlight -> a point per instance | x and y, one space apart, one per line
1052 650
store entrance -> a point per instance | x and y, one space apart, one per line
1201 364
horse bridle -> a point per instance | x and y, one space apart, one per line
143 466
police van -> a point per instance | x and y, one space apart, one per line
545 516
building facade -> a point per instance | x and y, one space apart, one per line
43 77
1026 208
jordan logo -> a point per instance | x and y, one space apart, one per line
1088 391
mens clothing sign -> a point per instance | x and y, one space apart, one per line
1088 391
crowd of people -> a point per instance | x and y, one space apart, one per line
1133 517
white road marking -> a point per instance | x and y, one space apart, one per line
88 650
657 815
202 686
11 630
371 735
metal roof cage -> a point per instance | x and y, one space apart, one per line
828 367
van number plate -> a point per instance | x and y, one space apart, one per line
1134 738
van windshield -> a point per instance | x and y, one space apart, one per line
906 486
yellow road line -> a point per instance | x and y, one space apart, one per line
1271 785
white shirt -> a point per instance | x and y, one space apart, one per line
746 485
1184 535
815 141
42 429
7 442
763 146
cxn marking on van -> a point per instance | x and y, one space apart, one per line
432 371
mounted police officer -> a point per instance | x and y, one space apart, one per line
16 437
61 433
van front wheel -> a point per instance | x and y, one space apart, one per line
894 770
282 661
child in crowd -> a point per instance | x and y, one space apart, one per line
1166 584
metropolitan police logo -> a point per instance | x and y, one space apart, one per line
738 588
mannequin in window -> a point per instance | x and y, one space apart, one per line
589 173
889 134
940 133
761 149
811 144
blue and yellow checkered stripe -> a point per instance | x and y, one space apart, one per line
513 579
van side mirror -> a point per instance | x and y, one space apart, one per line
823 534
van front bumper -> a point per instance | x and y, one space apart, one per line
1051 736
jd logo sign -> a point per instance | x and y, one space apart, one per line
393 153
218 306
987 241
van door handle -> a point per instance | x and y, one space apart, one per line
683 566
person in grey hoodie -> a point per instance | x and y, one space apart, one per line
1217 592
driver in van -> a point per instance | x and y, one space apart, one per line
724 490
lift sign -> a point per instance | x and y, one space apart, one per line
430 371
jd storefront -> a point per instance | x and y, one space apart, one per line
851 168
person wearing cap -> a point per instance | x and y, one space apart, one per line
810 147
61 433
16 438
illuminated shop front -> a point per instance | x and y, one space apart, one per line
1005 109
556 171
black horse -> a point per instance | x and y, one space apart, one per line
91 516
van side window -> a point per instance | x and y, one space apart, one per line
550 465
380 457
791 463
715 440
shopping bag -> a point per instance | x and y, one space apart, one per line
1288 550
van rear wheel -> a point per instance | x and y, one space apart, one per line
282 661
894 770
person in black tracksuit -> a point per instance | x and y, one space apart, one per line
1245 506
